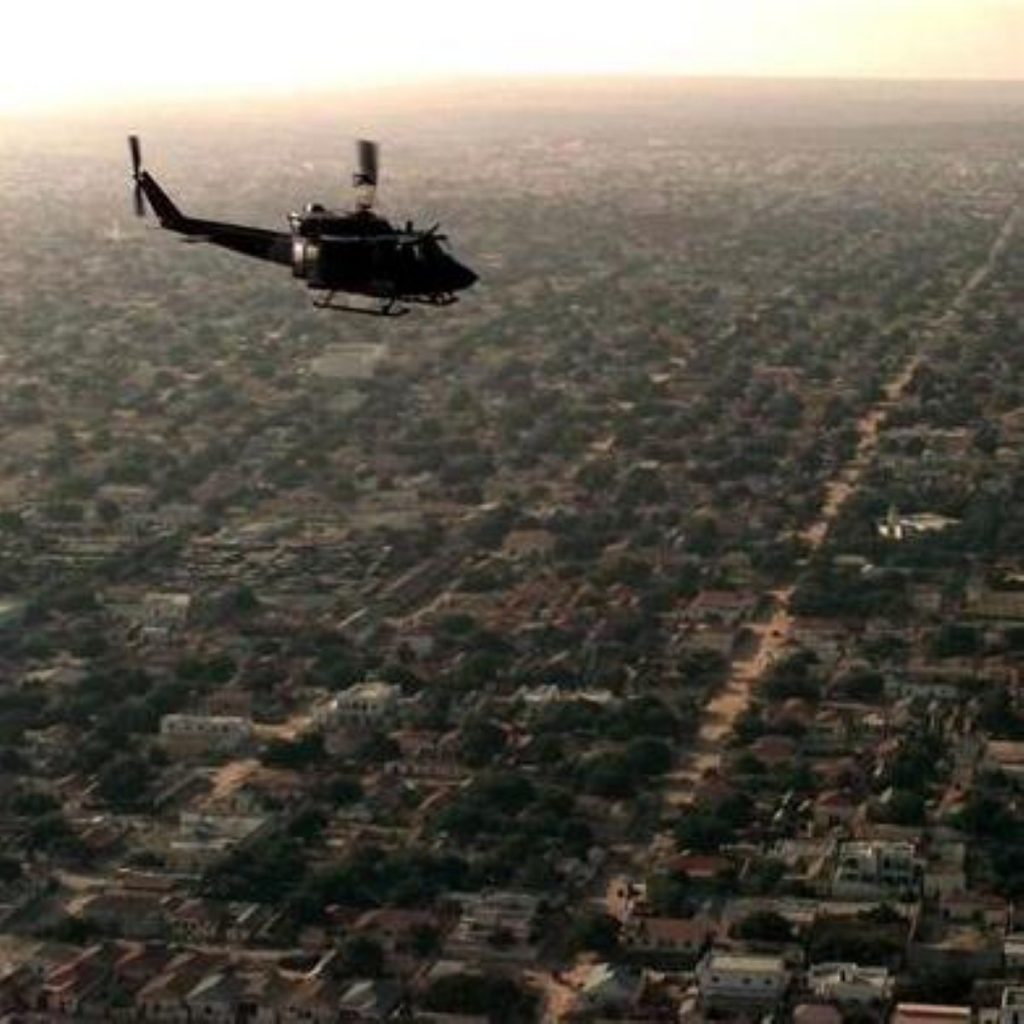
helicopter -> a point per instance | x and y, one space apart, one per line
353 253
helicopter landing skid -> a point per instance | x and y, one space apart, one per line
437 299
386 308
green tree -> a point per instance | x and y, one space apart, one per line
362 957
592 932
764 926
124 781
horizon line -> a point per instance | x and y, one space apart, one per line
109 105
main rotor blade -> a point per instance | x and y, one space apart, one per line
136 151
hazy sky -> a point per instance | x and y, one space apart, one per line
56 53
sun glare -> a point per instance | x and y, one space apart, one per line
64 53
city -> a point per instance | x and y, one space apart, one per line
641 639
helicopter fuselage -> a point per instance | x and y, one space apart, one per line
363 254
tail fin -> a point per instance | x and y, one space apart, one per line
169 215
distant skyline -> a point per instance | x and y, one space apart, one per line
66 54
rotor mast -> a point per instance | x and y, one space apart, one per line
365 179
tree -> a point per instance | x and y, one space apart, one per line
124 781
669 895
592 932
499 999
609 775
10 870
424 941
956 640
648 756
764 926
906 808
481 742
702 831
362 957
295 754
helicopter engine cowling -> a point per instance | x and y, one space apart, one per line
306 259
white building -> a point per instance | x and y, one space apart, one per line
746 978
165 610
876 870
850 983
365 705
1011 1009
1013 950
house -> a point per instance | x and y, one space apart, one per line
68 986
850 984
161 616
1006 757
725 979
314 1000
718 639
495 923
954 949
1013 951
924 686
370 1000
729 608
700 867
202 838
215 998
930 1013
826 639
397 930
817 1013
834 809
196 921
163 997
677 937
713 789
876 870
774 751
528 545
428 755
985 909
249 922
133 915
231 701
945 874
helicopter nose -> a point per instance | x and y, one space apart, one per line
460 276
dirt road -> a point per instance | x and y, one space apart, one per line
735 696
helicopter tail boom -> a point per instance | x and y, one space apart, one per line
168 214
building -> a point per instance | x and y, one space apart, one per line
728 978
677 937
851 984
876 870
1011 1008
495 923
370 705
930 1013
201 735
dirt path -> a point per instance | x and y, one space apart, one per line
735 696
